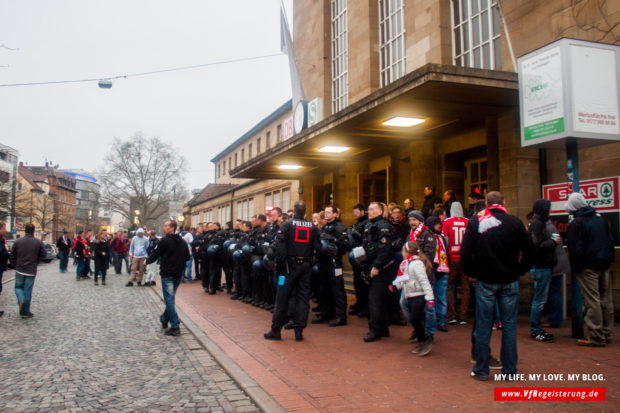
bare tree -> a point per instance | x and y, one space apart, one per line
141 174
38 207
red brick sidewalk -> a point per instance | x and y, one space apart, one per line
334 370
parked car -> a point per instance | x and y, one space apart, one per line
50 251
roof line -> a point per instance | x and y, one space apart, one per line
260 125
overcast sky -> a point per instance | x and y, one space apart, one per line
200 111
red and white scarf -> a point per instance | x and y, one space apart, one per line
486 220
415 233
441 257
403 274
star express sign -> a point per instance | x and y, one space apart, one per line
601 194
570 88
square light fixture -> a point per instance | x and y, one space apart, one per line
290 167
334 149
403 122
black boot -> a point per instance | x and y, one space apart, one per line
299 334
372 336
173 331
288 325
273 335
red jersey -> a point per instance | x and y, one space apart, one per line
454 229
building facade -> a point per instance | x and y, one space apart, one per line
421 93
87 208
231 198
8 185
34 205
63 191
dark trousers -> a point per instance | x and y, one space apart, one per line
418 315
236 273
361 290
100 271
64 260
215 272
379 303
204 274
332 298
196 265
246 276
297 282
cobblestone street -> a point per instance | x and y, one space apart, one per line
93 348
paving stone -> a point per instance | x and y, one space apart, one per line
98 348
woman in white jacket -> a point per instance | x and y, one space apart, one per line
412 276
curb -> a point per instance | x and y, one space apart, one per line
263 400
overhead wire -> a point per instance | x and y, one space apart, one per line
152 72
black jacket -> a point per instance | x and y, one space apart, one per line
590 243
63 246
101 250
378 243
356 233
172 250
545 246
429 204
336 233
26 254
401 233
4 254
501 254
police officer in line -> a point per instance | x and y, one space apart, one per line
255 240
225 256
356 236
214 251
377 243
240 272
201 244
295 244
275 221
332 296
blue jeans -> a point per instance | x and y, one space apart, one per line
64 260
507 295
436 315
81 267
542 278
556 315
187 272
23 290
169 287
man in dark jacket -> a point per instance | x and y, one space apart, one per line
431 201
174 254
4 255
543 266
64 247
496 250
26 254
590 246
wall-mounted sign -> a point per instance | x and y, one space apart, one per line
300 116
601 194
288 130
315 111
570 88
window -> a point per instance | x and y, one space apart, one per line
239 210
219 170
391 41
286 199
230 163
276 199
242 155
279 134
224 168
340 56
195 220
258 148
236 163
250 207
268 140
476 34
268 201
250 151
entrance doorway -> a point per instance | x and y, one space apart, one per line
476 176
322 196
373 187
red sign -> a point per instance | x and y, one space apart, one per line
288 129
601 194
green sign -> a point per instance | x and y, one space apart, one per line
539 130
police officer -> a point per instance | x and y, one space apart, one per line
257 235
296 242
378 246
214 251
240 273
228 234
202 245
332 298
356 239
275 218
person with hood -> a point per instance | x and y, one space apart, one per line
173 252
138 254
454 229
431 201
545 260
591 252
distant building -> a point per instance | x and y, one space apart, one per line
87 209
63 191
33 204
8 183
